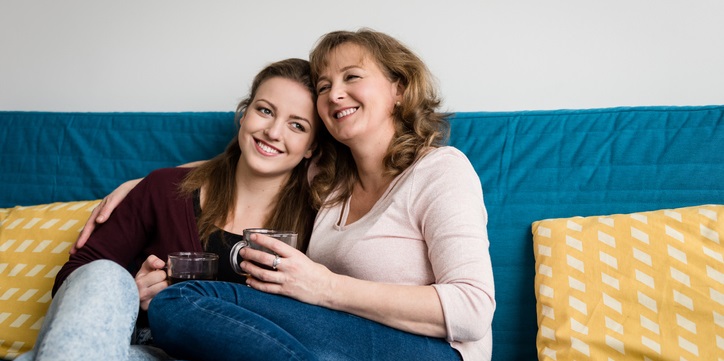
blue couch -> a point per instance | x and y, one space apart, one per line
533 165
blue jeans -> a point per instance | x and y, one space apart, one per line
228 321
92 317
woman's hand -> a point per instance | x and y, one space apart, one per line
295 276
101 213
150 280
415 309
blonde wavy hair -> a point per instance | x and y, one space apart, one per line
419 125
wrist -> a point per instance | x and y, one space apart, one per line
332 291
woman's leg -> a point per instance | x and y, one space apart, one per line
202 318
200 321
91 316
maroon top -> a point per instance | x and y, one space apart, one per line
153 219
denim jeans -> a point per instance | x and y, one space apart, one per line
92 317
228 321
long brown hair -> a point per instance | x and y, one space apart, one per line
294 207
418 123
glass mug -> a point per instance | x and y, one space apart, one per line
184 266
288 237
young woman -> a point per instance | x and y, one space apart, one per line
260 180
398 266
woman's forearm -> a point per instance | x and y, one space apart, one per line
414 309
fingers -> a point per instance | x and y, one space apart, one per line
259 257
264 279
149 286
265 286
260 266
104 210
152 263
101 213
150 280
88 228
114 199
273 244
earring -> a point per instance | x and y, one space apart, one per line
397 104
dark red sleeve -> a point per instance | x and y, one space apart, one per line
153 219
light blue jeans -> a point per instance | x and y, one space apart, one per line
92 317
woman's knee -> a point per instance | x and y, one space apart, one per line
101 269
105 279
103 266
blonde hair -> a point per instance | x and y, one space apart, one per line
418 123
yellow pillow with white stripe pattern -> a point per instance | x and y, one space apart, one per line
34 244
641 286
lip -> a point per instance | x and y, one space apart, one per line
263 151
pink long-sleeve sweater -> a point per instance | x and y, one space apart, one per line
428 228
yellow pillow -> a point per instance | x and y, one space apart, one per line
34 244
643 286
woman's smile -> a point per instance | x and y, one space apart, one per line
266 149
345 112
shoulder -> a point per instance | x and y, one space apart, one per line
158 190
162 179
444 159
446 152
446 167
168 174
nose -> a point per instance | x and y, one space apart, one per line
275 129
336 93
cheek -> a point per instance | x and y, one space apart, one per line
309 144
239 136
298 142
324 116
323 104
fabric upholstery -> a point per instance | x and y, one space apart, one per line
647 285
34 244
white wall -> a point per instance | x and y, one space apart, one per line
184 55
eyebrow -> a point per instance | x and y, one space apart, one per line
297 117
322 77
274 108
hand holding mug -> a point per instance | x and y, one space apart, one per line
287 237
150 280
296 275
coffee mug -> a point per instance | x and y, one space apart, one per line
288 237
184 266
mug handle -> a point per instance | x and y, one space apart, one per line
234 257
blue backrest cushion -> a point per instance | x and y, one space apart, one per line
533 165
58 157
